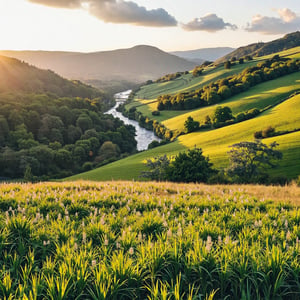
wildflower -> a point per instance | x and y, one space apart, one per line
288 236
75 246
227 240
118 245
140 237
84 237
286 224
179 231
208 243
131 251
105 241
219 240
169 233
94 262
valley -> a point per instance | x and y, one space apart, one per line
149 150
273 98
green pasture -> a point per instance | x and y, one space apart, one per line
260 96
215 144
188 82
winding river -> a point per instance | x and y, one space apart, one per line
143 136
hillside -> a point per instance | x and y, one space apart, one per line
17 76
289 41
205 54
52 127
271 97
137 64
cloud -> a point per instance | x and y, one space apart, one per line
59 3
117 11
288 21
120 11
210 23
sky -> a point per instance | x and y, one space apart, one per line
171 25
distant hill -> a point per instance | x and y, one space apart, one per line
17 76
289 41
201 55
136 64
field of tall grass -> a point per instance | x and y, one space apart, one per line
133 240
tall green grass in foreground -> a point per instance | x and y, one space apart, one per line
127 240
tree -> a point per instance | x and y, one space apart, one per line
250 160
158 167
190 166
224 91
207 120
84 122
227 64
222 114
108 150
27 174
190 125
4 130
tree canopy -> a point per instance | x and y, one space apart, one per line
249 161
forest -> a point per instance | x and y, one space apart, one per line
44 136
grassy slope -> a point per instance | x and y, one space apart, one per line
285 116
215 144
145 98
188 82
260 96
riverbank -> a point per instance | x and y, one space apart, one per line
143 136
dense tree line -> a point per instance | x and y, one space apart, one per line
249 162
45 136
224 88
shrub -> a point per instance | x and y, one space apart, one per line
268 132
155 113
258 134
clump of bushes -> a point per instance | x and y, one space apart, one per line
265 133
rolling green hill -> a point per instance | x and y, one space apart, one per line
289 41
216 143
281 112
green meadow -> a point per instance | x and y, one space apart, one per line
260 96
215 144
281 112
148 240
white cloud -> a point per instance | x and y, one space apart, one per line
287 21
210 23
117 11
59 3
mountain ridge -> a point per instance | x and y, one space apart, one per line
136 64
204 54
